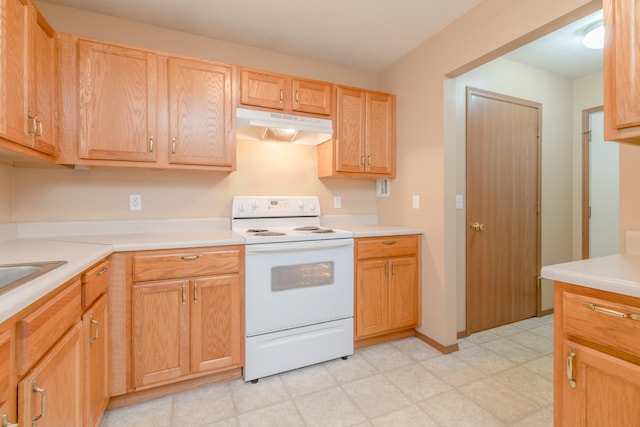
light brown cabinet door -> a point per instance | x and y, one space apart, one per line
200 113
14 77
96 366
216 323
311 96
350 130
262 89
51 394
380 151
7 394
372 297
403 293
43 73
606 392
116 103
621 64
160 331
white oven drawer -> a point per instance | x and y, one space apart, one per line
289 285
282 351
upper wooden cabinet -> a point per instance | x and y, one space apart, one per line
116 103
280 92
365 136
28 81
200 113
134 107
621 64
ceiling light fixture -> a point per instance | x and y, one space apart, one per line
594 37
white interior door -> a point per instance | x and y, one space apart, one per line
603 192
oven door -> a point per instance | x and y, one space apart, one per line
294 284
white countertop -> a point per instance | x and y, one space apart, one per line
379 230
616 273
161 240
79 257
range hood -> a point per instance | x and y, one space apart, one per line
270 126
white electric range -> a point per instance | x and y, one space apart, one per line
298 284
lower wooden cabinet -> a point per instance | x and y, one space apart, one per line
7 374
189 326
51 394
596 358
95 322
387 291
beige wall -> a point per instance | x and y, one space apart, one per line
587 93
629 195
555 93
426 132
264 168
6 193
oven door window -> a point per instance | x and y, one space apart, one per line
288 277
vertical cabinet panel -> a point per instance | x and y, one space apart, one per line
216 323
372 298
95 323
13 82
116 103
380 134
403 293
52 391
200 113
350 130
160 337
621 63
44 90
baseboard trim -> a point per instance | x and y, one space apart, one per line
444 349
546 312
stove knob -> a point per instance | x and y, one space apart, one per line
242 207
312 207
300 204
254 205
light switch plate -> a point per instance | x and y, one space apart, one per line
337 202
459 201
383 187
416 201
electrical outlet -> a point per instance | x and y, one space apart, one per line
337 202
135 202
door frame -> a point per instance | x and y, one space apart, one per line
586 172
538 106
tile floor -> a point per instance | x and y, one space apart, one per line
500 377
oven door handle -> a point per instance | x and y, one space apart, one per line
298 246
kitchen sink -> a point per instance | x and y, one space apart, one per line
13 275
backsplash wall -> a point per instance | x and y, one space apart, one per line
263 168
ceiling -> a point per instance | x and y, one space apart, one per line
361 34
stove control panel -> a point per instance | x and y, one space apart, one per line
274 206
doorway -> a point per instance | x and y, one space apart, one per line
503 209
600 188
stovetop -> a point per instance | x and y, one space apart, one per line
270 219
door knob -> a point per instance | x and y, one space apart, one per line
476 226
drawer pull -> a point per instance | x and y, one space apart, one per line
389 242
572 356
189 257
97 330
101 271
5 421
43 402
610 312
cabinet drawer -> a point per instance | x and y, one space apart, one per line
94 283
173 265
388 246
602 322
40 330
